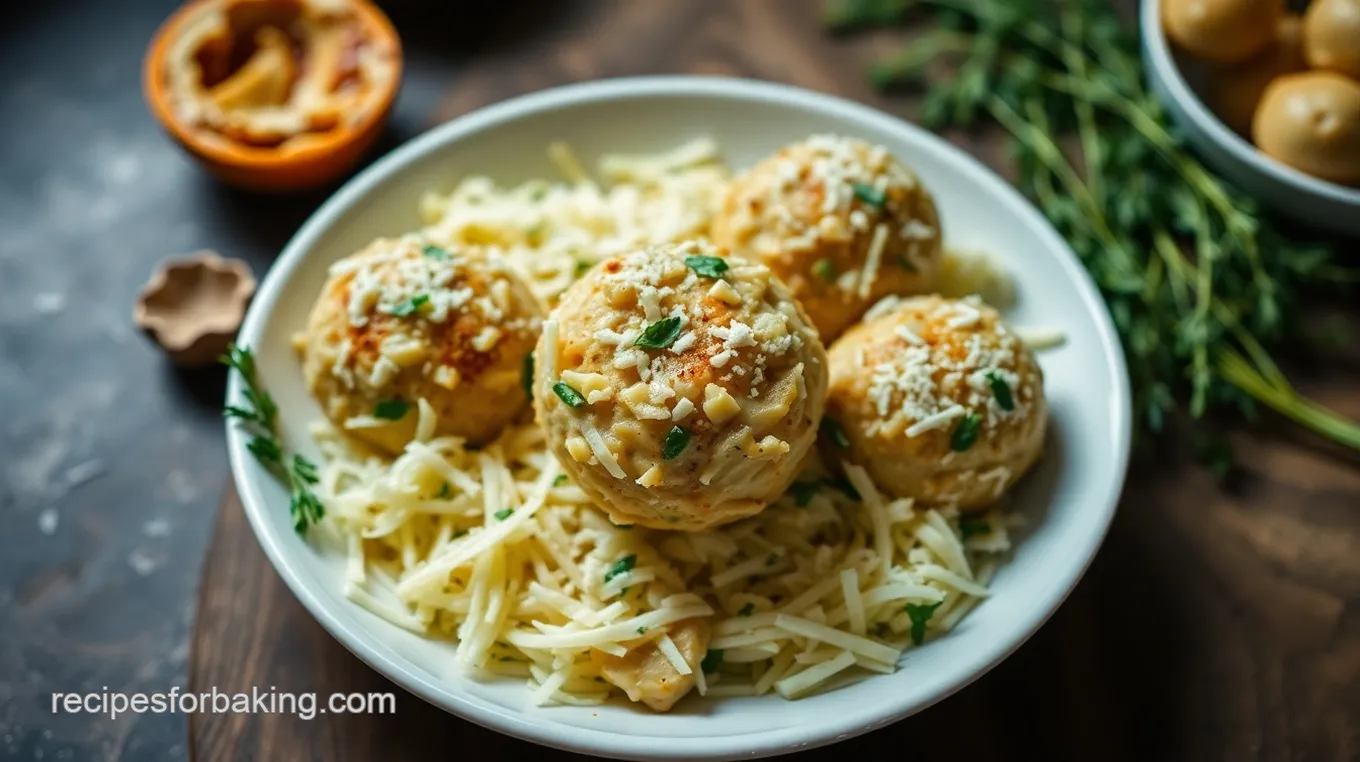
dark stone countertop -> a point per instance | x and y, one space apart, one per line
113 461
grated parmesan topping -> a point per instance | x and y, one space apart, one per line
926 386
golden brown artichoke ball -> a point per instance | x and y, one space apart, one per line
840 221
402 321
938 400
678 389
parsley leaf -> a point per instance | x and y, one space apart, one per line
970 527
1001 390
568 395
641 630
824 269
709 267
408 307
747 610
712 660
803 493
503 514
920 614
444 491
660 334
868 194
560 480
677 439
621 566
904 262
391 410
843 484
966 433
434 252
831 429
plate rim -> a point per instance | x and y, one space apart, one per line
603 742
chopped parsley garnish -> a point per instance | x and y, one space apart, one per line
560 480
444 491
660 334
843 484
712 660
459 533
391 410
434 252
905 263
803 493
677 439
526 375
824 269
409 306
503 514
621 566
1001 390
920 613
709 267
831 429
582 266
747 610
568 395
868 194
966 433
641 630
970 527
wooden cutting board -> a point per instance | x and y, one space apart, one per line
1216 624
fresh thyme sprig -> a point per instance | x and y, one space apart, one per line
259 416
1197 281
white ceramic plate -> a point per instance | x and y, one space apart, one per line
1067 503
1178 82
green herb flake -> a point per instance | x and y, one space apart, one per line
677 439
1001 390
569 396
708 267
391 410
803 492
444 491
621 566
560 480
966 433
582 267
526 375
503 514
712 660
660 334
408 307
824 269
904 262
843 484
434 252
920 614
771 560
747 610
970 527
869 194
641 630
832 430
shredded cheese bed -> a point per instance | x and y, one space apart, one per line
496 551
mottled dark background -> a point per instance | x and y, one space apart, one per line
112 461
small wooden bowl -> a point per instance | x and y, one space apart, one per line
322 157
193 306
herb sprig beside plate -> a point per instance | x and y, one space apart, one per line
1198 282
259 416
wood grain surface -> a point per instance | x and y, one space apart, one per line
1219 622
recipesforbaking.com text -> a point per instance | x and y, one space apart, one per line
304 705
